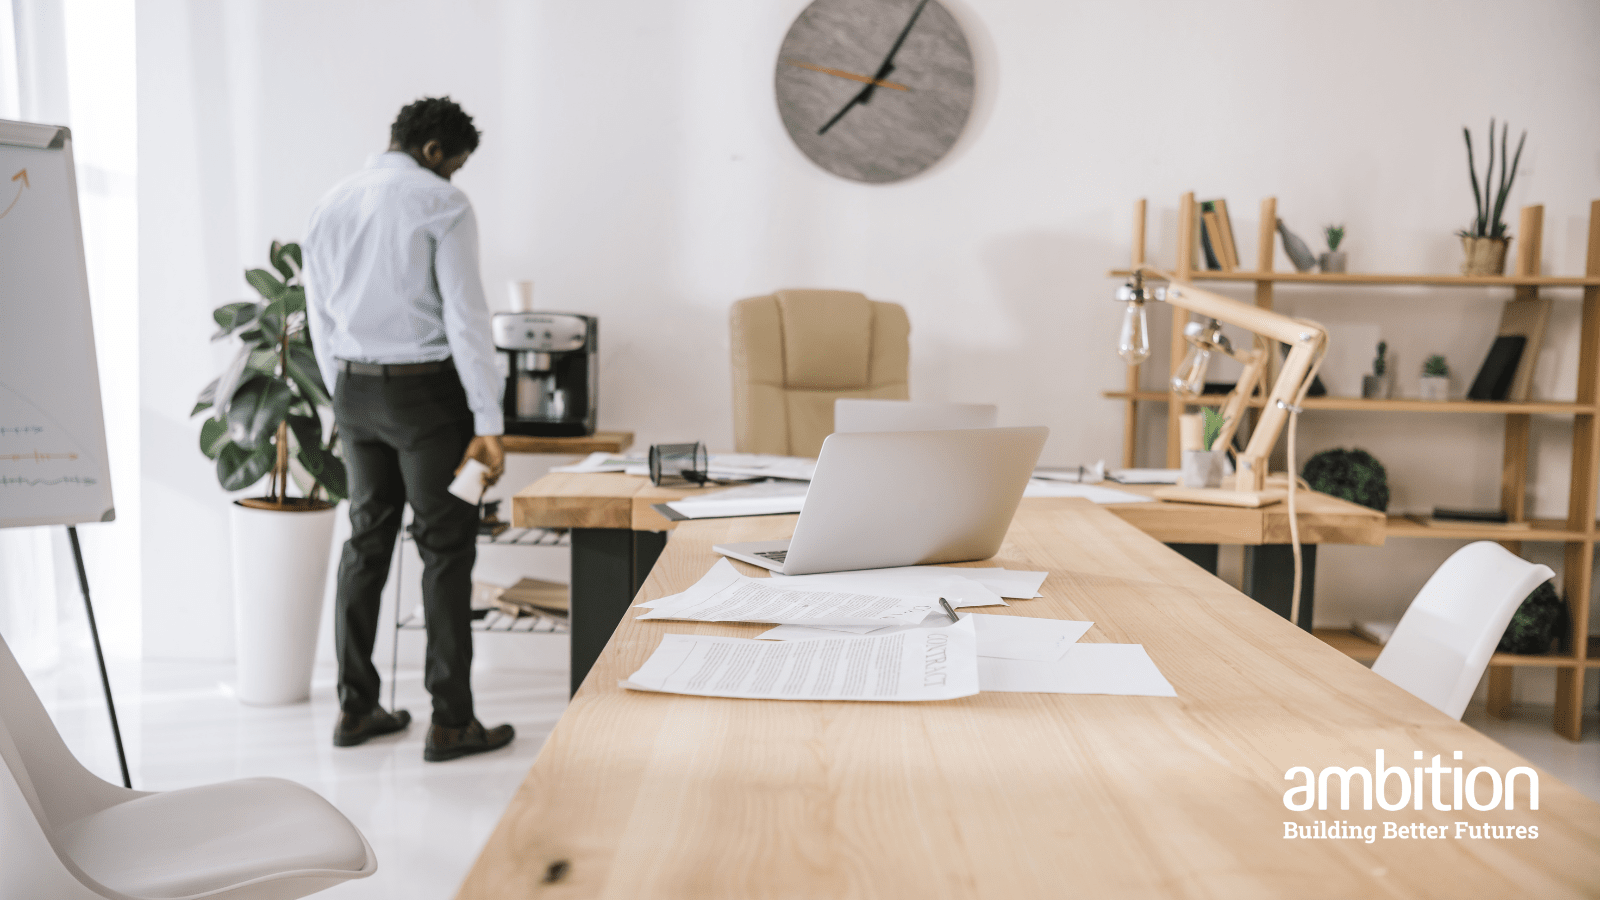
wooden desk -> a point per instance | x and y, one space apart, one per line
1014 795
599 442
616 536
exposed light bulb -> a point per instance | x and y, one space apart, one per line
1191 375
1134 343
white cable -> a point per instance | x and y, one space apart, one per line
1294 522
1294 477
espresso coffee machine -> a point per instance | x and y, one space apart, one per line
552 366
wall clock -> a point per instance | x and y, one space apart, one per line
874 90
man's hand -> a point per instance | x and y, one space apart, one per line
487 449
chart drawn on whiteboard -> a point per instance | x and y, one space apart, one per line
35 452
22 176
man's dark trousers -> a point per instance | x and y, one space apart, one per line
403 436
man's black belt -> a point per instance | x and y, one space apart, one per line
387 371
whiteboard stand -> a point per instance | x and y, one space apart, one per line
54 468
99 657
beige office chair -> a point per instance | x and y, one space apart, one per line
67 835
796 351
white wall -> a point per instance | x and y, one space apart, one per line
634 165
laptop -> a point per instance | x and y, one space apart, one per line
904 498
851 416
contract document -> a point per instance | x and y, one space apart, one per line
1002 637
723 595
1014 584
919 664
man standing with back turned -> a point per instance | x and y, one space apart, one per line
401 328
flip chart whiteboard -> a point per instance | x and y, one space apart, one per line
53 464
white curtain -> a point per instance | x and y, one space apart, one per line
71 63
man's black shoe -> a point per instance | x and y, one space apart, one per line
446 743
351 730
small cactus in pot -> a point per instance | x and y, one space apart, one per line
1334 260
1376 385
1435 381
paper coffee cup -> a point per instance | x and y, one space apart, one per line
469 482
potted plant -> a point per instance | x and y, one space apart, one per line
1376 385
1435 381
1203 468
1353 475
265 422
1333 260
1486 241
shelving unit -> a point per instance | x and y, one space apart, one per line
1578 532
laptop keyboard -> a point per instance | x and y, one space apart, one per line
774 555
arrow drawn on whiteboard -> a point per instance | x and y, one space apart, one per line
21 176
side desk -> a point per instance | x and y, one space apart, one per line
1015 795
617 535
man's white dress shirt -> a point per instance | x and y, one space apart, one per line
391 276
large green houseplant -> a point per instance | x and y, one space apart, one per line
265 405
265 421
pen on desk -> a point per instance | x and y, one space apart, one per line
948 610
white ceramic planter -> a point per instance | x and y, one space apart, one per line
1202 468
280 564
1434 387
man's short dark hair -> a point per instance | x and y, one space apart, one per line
434 119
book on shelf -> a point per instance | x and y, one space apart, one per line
1208 247
1495 515
1499 368
530 596
1222 234
1455 518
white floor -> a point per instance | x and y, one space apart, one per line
428 821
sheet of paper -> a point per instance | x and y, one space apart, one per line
1146 476
1079 474
723 595
1007 583
599 462
920 664
1002 637
1093 493
1014 584
761 499
761 465
929 582
1123 669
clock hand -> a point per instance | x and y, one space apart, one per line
840 73
883 71
888 61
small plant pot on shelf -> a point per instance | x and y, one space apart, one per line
1202 468
1374 387
1484 255
1434 387
1332 262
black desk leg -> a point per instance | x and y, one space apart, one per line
608 567
1269 578
1202 555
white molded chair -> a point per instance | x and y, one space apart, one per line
1443 643
67 835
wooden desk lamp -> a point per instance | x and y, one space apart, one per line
1307 342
